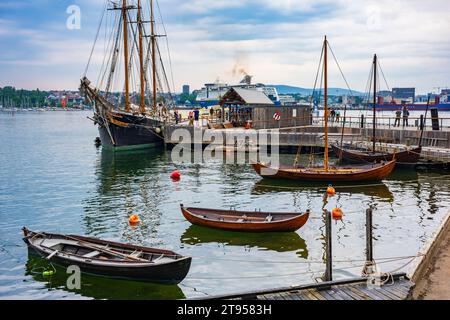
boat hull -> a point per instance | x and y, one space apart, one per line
287 225
407 157
164 273
126 132
374 172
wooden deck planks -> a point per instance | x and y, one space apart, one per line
355 291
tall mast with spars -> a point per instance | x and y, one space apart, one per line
153 38
325 95
141 59
374 99
125 54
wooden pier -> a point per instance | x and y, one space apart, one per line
354 289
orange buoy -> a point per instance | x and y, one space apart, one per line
337 213
330 190
134 219
175 175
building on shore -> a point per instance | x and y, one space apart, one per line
252 108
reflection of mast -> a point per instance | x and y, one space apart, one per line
141 59
325 161
153 37
125 54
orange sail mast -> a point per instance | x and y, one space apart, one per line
153 38
141 59
125 54
325 160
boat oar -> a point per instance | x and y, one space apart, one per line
112 252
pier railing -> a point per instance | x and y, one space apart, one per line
363 121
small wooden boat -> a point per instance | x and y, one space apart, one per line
371 172
250 221
109 259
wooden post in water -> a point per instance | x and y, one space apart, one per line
328 249
369 244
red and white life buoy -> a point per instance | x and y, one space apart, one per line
276 116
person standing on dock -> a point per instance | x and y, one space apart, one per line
398 113
191 118
338 115
405 116
177 117
196 117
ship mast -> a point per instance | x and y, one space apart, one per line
153 38
141 59
325 161
374 99
125 54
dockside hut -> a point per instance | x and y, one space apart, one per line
254 106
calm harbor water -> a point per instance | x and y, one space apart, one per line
53 178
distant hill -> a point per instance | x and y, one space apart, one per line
284 89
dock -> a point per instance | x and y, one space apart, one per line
436 144
372 286
355 289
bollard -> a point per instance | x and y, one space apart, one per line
369 238
362 121
328 249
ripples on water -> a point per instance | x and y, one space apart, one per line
53 178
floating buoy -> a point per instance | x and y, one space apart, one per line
48 273
175 175
337 213
158 130
134 219
330 190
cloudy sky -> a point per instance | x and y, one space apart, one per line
278 42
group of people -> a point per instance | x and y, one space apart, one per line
335 115
401 112
193 117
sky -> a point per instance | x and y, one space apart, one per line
277 42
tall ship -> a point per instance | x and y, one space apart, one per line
211 93
131 98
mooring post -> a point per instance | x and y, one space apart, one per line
369 244
362 121
328 249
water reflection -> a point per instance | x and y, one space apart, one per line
126 184
275 241
377 191
100 287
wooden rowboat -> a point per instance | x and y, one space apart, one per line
371 172
109 259
365 155
251 221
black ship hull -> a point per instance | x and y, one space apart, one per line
129 132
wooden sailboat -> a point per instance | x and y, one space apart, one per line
129 124
374 171
362 154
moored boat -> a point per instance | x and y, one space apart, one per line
136 118
250 221
370 172
109 259
327 172
409 156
